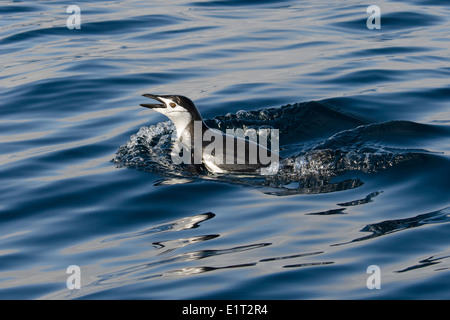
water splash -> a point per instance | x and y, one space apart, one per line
318 143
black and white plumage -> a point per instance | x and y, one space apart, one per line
188 121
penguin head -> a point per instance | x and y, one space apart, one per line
181 110
174 107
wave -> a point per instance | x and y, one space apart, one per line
317 143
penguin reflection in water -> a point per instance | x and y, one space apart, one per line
216 151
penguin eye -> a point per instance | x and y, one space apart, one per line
173 105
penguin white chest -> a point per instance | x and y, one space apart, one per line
210 162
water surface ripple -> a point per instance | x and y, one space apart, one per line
87 179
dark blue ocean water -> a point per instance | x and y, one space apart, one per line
364 120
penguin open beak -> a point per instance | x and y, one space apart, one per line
150 105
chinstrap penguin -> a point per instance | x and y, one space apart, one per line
188 121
